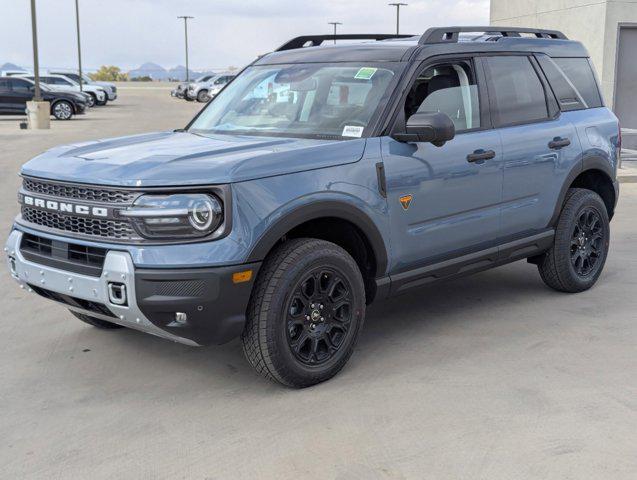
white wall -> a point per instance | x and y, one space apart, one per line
592 22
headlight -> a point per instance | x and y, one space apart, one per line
191 215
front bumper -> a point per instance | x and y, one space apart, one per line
214 306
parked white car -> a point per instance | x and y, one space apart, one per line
205 91
109 88
97 95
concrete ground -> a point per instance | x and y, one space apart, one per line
489 377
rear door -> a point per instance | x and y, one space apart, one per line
539 146
21 92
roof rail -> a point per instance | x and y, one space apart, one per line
316 40
450 34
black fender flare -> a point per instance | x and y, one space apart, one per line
322 209
592 162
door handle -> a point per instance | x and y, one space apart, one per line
480 155
559 142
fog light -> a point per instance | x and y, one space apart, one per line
14 272
181 317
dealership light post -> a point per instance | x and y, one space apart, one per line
398 5
38 111
335 25
186 18
79 48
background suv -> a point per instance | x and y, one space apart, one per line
205 90
95 94
109 88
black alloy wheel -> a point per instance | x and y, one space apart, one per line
319 313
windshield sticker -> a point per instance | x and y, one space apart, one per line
365 73
353 131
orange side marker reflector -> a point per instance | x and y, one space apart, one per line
240 277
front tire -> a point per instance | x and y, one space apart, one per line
92 101
62 110
579 251
103 102
96 322
305 313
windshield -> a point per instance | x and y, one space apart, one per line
307 100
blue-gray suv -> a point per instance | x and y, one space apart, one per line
325 177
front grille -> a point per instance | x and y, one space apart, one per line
65 256
87 305
108 229
79 192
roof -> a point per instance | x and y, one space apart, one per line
435 41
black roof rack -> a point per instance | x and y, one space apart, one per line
450 34
316 40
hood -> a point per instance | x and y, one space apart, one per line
183 158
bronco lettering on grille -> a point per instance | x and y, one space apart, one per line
65 207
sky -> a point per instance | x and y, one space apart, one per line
127 33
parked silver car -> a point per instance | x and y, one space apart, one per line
109 88
205 91
180 90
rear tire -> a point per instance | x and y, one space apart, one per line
96 322
202 96
579 251
305 313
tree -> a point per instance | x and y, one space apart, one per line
109 73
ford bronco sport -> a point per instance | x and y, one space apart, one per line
324 178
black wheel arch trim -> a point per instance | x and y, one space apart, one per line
591 162
323 209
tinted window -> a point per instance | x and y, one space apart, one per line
5 84
566 93
580 73
516 90
20 85
447 88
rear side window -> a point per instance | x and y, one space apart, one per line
566 93
516 90
580 73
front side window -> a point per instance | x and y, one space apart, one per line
447 88
516 89
307 100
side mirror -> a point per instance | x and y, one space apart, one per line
436 128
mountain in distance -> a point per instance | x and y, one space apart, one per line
157 72
11 66
149 69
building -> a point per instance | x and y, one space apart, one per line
608 29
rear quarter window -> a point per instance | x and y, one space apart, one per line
580 73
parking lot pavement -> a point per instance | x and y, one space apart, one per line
489 377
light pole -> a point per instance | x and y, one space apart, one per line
397 5
335 25
36 63
79 48
186 18
38 112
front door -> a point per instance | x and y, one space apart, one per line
444 201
